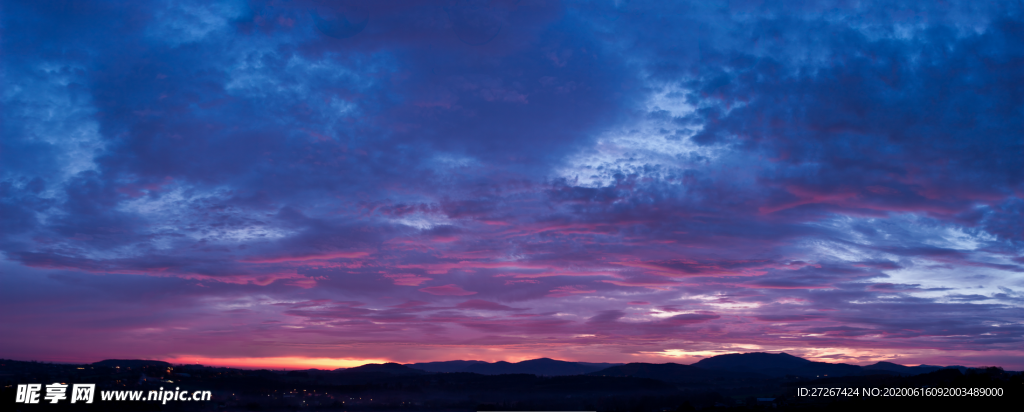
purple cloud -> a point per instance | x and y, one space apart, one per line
180 179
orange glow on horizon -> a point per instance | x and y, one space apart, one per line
284 362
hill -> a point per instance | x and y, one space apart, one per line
539 367
674 372
131 363
776 364
889 367
442 367
389 368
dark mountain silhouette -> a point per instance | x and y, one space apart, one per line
630 387
776 364
599 365
821 369
673 372
539 367
900 369
390 368
449 366
721 369
752 361
131 363
734 367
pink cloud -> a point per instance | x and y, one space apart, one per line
666 285
569 290
483 305
447 290
411 304
406 279
690 268
690 318
325 256
512 282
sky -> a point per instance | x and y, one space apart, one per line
303 184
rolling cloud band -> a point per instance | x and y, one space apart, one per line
330 183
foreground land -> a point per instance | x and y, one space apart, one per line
731 382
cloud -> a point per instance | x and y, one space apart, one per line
825 170
405 279
485 305
569 290
326 256
447 290
690 318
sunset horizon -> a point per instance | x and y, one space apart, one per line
266 184
297 363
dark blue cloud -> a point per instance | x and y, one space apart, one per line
520 167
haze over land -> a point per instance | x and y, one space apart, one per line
314 184
750 380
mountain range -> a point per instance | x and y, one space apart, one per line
737 366
737 380
540 367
